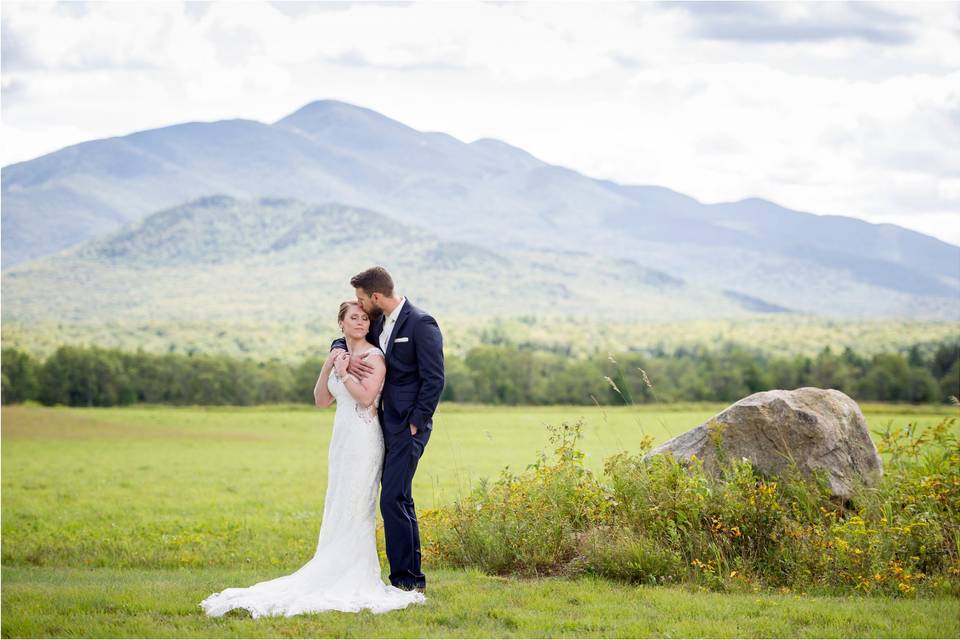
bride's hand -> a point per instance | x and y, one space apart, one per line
340 364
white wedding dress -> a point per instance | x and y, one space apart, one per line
344 573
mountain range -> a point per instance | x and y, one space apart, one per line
300 204
271 260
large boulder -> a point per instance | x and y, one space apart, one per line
820 429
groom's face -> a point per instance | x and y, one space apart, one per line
368 303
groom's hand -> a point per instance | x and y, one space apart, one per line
359 366
413 429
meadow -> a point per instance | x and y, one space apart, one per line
117 521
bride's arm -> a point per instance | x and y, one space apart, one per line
321 395
365 391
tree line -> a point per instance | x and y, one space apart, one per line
489 374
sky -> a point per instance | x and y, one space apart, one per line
832 108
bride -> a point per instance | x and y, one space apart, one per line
344 573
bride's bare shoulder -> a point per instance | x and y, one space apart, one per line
374 349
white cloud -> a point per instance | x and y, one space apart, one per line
827 108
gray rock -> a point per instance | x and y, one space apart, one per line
817 428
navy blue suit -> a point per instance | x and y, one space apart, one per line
411 392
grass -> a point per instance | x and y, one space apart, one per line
71 602
116 522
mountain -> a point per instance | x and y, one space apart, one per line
487 194
218 258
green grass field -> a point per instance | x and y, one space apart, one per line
117 522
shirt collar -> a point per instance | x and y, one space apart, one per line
396 312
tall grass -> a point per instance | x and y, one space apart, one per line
657 521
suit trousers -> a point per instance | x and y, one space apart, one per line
400 530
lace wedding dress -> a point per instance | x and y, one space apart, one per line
344 573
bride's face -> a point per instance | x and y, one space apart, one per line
355 323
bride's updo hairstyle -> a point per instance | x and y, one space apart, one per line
346 305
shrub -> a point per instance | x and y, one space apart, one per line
656 520
524 523
624 554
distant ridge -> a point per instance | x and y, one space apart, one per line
486 193
218 257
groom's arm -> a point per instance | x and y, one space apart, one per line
428 342
341 342
357 366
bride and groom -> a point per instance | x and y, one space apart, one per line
386 375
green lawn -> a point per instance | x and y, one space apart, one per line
116 522
162 603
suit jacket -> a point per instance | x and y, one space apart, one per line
415 377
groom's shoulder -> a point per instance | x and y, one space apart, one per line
421 315
415 311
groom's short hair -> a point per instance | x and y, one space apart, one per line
373 280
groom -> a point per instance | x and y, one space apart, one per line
413 345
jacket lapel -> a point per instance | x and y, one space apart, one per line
404 312
375 330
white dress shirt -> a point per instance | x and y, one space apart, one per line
388 325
